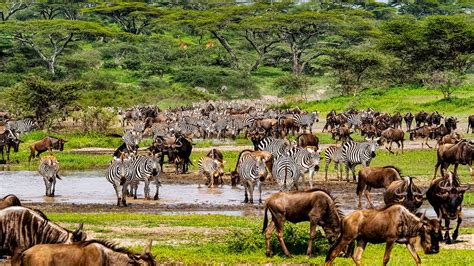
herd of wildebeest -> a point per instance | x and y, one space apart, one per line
31 239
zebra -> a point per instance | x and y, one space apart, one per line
212 169
21 126
354 153
220 127
306 120
334 153
119 175
131 139
48 169
253 172
355 120
146 169
286 172
307 159
275 146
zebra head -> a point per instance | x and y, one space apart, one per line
315 116
13 139
373 144
261 169
315 156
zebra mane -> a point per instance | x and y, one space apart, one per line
394 167
106 243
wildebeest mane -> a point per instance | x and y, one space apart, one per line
394 167
106 243
16 201
327 192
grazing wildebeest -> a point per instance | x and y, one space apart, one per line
470 124
421 117
452 138
445 194
46 144
9 139
90 252
391 135
423 132
404 192
408 120
375 177
180 152
305 139
393 224
315 205
439 132
22 228
459 153
8 201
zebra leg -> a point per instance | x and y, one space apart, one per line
124 195
251 187
326 169
347 171
53 186
311 174
246 197
146 189
259 184
117 192
158 183
353 166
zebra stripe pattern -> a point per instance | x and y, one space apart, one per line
305 120
276 147
354 153
146 169
119 175
286 172
307 159
334 153
253 172
212 169
48 169
21 126
132 138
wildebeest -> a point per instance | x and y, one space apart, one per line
434 118
445 194
408 120
459 153
396 120
305 139
90 252
180 152
215 154
404 192
9 139
375 177
452 138
450 123
342 133
391 135
421 117
470 123
423 132
393 224
22 228
8 201
45 144
315 205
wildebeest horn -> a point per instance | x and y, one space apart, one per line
463 188
79 228
147 249
423 216
447 188
401 199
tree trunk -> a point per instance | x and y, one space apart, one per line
296 58
51 67
257 63
227 47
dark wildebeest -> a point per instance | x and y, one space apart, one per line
330 121
91 252
305 139
375 177
404 192
8 201
408 120
286 124
9 139
445 195
439 132
46 144
315 205
423 132
459 153
452 138
396 120
342 133
180 152
393 224
22 228
124 148
215 154
450 123
421 117
470 124
434 118
393 135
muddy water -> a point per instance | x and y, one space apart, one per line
91 187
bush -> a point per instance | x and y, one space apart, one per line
95 119
292 84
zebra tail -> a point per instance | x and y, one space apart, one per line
265 220
58 177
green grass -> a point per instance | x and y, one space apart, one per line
232 240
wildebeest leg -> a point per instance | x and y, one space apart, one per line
455 234
447 237
456 165
390 142
1 150
367 195
388 250
438 163
360 188
426 142
357 257
279 228
402 145
353 166
8 153
268 234
312 236
411 249
337 248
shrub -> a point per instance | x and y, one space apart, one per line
95 119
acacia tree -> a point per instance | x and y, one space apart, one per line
9 8
49 38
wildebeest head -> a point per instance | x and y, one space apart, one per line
78 234
405 193
430 233
58 144
451 197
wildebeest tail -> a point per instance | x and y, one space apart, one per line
265 219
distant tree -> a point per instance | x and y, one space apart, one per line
49 38
9 8
445 81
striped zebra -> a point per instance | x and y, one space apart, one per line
220 128
354 153
304 121
132 138
334 153
355 120
21 126
119 175
307 159
286 172
275 146
145 169
212 169
48 169
252 172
